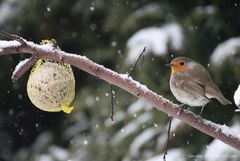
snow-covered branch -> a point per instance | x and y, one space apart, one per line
221 132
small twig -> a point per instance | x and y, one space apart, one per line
22 68
112 105
168 138
141 64
13 37
134 65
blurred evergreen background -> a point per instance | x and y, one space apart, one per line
108 32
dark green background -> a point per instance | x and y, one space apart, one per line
89 28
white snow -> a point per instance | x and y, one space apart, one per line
142 86
90 100
44 157
58 153
47 47
130 128
9 8
118 117
85 142
125 76
223 128
163 137
151 9
236 97
138 106
156 39
227 130
175 124
176 154
224 50
49 9
21 64
6 44
142 139
218 150
205 10
138 84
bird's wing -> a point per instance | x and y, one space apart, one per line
195 87
211 90
203 76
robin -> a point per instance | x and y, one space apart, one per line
192 85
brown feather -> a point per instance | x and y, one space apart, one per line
198 79
211 89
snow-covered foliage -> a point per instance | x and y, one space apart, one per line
224 50
145 12
138 106
149 134
152 131
205 10
156 39
237 96
161 140
152 9
134 110
130 128
141 139
8 8
218 150
45 152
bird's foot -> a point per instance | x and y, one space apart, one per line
181 107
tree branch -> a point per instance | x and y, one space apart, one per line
22 67
13 37
221 132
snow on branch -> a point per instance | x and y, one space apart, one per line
220 132
22 67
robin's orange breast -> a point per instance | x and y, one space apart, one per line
178 68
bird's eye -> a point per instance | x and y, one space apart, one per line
181 63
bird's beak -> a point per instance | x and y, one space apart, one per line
168 65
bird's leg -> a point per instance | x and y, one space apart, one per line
181 107
201 111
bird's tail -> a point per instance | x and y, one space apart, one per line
216 93
223 100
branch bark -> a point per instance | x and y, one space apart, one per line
221 132
22 68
